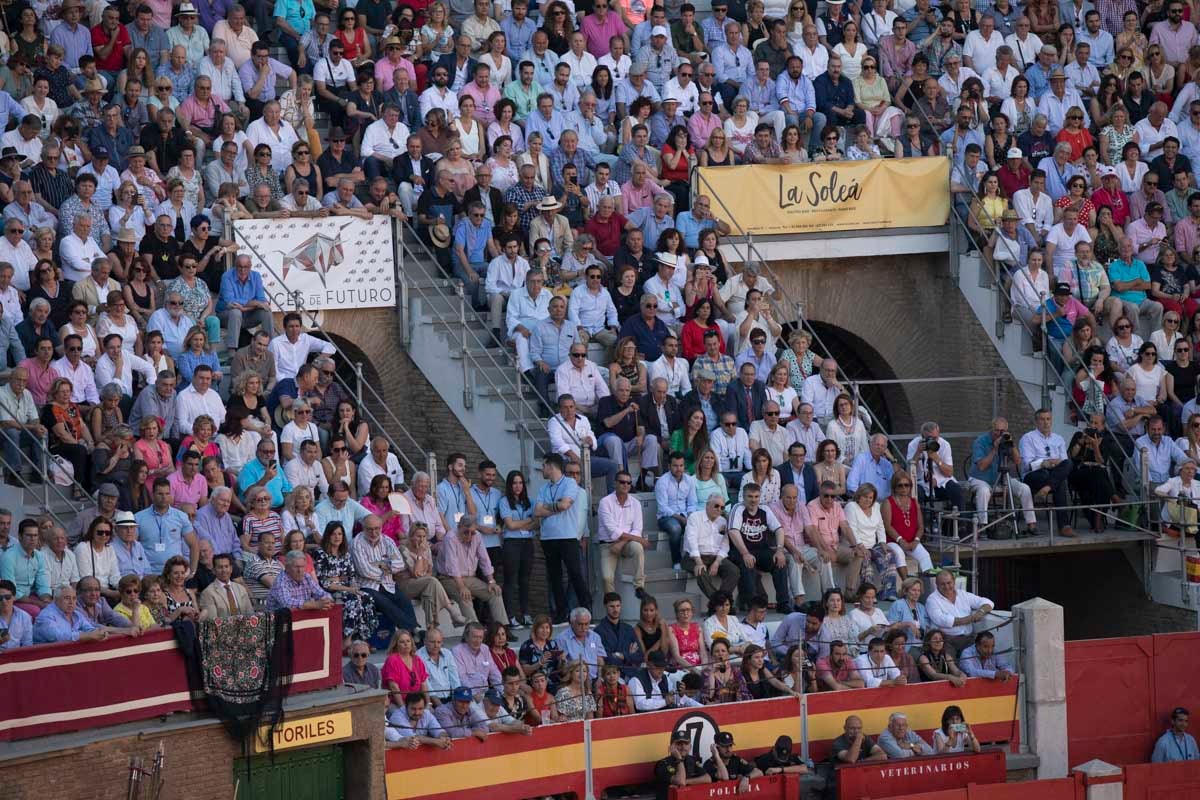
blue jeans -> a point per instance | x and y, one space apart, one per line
292 45
673 528
472 289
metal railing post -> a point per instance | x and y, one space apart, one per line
431 466
1145 474
46 472
995 396
358 382
1045 356
468 394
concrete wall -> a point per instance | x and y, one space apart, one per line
909 311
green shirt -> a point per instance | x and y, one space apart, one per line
526 100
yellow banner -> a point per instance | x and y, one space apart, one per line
303 732
835 196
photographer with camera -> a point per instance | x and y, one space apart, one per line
933 464
1044 454
995 463
1094 452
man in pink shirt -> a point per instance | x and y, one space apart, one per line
394 59
600 26
485 95
830 534
188 487
703 122
793 518
458 559
1174 34
639 191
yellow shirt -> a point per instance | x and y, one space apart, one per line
144 620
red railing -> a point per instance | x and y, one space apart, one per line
57 688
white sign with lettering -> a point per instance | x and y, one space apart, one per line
333 262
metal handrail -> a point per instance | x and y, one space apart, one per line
314 323
48 484
798 308
476 347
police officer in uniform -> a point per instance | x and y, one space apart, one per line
679 768
723 765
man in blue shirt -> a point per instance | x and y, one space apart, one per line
989 452
518 30
675 494
163 530
1176 744
454 499
835 96
474 247
62 621
26 567
557 509
580 643
1130 283
647 330
264 471
1162 454
242 302
873 468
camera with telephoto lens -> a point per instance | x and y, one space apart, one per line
1005 442
1093 433
930 444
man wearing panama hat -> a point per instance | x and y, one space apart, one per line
73 38
551 226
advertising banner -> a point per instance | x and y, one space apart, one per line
766 199
333 262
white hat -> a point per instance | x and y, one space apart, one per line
187 8
670 259
1015 152
1106 171
659 30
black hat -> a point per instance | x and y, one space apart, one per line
1062 288
680 735
724 739
657 659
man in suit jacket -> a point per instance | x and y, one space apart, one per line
483 192
412 174
796 466
703 393
403 97
648 407
746 396
459 65
216 598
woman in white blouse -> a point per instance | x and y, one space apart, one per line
1184 485
851 50
299 514
847 430
866 525
764 476
500 64
95 557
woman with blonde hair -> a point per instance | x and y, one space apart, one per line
867 528
297 109
300 514
847 429
419 580
801 361
574 699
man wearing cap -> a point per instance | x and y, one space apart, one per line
680 768
73 38
259 76
658 57
634 86
725 765
461 717
780 759
1176 744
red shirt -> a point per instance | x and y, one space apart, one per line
1117 201
607 234
114 61
1012 182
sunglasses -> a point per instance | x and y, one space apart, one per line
625 483
770 413
1124 327
904 484
578 355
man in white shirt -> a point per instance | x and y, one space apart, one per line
671 368
979 49
1024 43
876 667
592 309
706 548
1083 77
1047 467
569 431
381 461
383 140
769 434
579 377
72 367
293 347
1035 206
116 365
805 431
821 390
78 250
16 251
997 81
439 94
333 76
1153 130
306 470
929 454
619 534
197 399
731 443
955 612
526 308
505 275
301 204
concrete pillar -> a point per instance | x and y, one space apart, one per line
1104 781
1039 637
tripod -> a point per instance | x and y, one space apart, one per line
1007 504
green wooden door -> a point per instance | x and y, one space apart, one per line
313 774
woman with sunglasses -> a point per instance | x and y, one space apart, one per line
353 37
77 325
558 25
261 171
1124 347
1182 373
829 146
1160 75
1076 198
56 292
95 557
872 96
338 465
1074 133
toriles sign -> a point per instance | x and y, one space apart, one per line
307 731
832 196
331 262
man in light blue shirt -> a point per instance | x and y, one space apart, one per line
454 498
552 340
518 30
580 643
474 247
981 661
547 121
75 39
592 308
798 99
676 496
164 530
1161 452
263 470
242 302
172 323
525 310
873 468
1130 281
25 566
734 64
697 220
1176 744
1100 40
339 507
62 621
558 509
440 664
